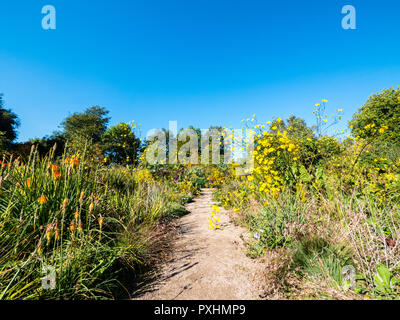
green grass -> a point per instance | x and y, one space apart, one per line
94 226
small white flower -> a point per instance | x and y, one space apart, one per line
257 236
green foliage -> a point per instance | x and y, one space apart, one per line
318 258
120 144
381 109
385 283
8 125
274 221
84 130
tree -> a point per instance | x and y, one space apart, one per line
46 143
83 131
8 125
297 127
381 110
120 144
89 125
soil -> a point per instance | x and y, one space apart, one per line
206 264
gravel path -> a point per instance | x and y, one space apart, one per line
206 264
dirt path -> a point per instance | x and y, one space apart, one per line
206 264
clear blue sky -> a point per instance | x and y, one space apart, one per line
199 62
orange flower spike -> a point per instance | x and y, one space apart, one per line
56 175
57 232
75 162
64 204
42 199
49 231
72 227
81 197
28 182
101 219
76 215
80 227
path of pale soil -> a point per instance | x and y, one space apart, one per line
206 264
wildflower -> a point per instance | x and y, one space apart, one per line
81 197
39 248
56 175
91 207
57 232
49 231
76 215
215 208
28 183
383 129
72 226
64 204
256 236
324 100
75 162
100 220
42 199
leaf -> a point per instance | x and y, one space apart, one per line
304 175
382 278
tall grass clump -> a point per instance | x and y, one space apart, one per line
87 224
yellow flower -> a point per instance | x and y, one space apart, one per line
324 100
383 129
